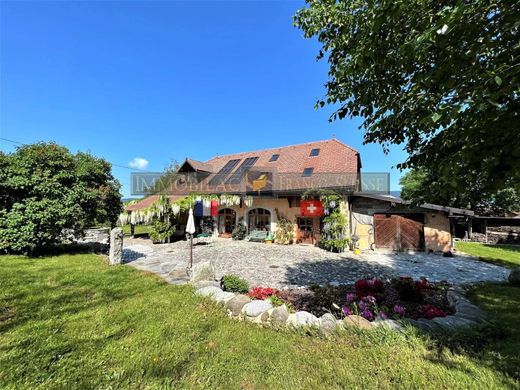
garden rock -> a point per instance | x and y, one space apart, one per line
203 271
257 307
209 291
204 283
450 323
471 312
236 304
303 318
224 296
328 323
279 315
514 277
116 246
357 322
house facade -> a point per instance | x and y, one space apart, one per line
258 188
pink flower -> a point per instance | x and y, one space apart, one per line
367 314
351 297
346 310
399 310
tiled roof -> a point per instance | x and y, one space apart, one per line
334 157
200 166
149 200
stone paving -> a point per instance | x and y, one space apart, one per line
299 265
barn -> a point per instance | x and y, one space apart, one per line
386 222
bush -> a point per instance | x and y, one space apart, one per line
239 232
46 190
263 293
161 232
234 283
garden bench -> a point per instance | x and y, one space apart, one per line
257 235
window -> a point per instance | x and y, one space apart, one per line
221 175
274 157
307 172
236 177
259 219
314 152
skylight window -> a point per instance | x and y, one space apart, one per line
274 157
315 152
236 177
307 172
221 175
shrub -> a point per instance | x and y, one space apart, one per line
234 283
46 190
239 232
409 290
366 287
161 232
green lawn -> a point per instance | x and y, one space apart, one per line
138 231
504 255
73 322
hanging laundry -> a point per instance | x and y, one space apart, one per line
198 210
206 208
214 208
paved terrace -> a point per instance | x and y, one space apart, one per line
299 265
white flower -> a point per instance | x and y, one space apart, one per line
442 30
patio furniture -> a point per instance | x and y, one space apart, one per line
257 236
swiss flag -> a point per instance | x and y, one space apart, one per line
311 208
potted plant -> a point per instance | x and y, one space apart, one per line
269 238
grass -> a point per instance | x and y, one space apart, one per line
504 255
139 230
72 321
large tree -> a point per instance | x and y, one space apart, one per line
416 187
441 78
44 190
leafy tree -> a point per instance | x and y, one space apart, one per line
416 186
45 189
439 77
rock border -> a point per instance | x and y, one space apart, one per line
262 312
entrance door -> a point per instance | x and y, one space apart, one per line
399 232
259 219
226 220
306 233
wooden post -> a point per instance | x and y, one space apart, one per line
132 230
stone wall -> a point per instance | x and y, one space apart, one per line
100 235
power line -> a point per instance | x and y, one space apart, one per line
115 165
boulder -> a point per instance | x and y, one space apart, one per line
328 323
115 255
204 283
303 318
470 312
203 271
357 322
257 307
224 296
450 323
236 304
209 291
279 315
514 277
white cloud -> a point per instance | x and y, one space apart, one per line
138 163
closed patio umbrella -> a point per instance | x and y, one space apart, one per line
190 229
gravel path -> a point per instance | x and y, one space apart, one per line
299 265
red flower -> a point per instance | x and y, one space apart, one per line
263 292
429 312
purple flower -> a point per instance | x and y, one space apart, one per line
367 314
346 310
351 297
362 305
370 299
383 315
399 310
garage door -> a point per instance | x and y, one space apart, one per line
399 232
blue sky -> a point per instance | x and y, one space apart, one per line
165 80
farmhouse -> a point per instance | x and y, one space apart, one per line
260 187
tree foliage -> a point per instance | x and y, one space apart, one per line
439 77
45 189
416 187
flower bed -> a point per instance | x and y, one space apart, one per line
374 299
